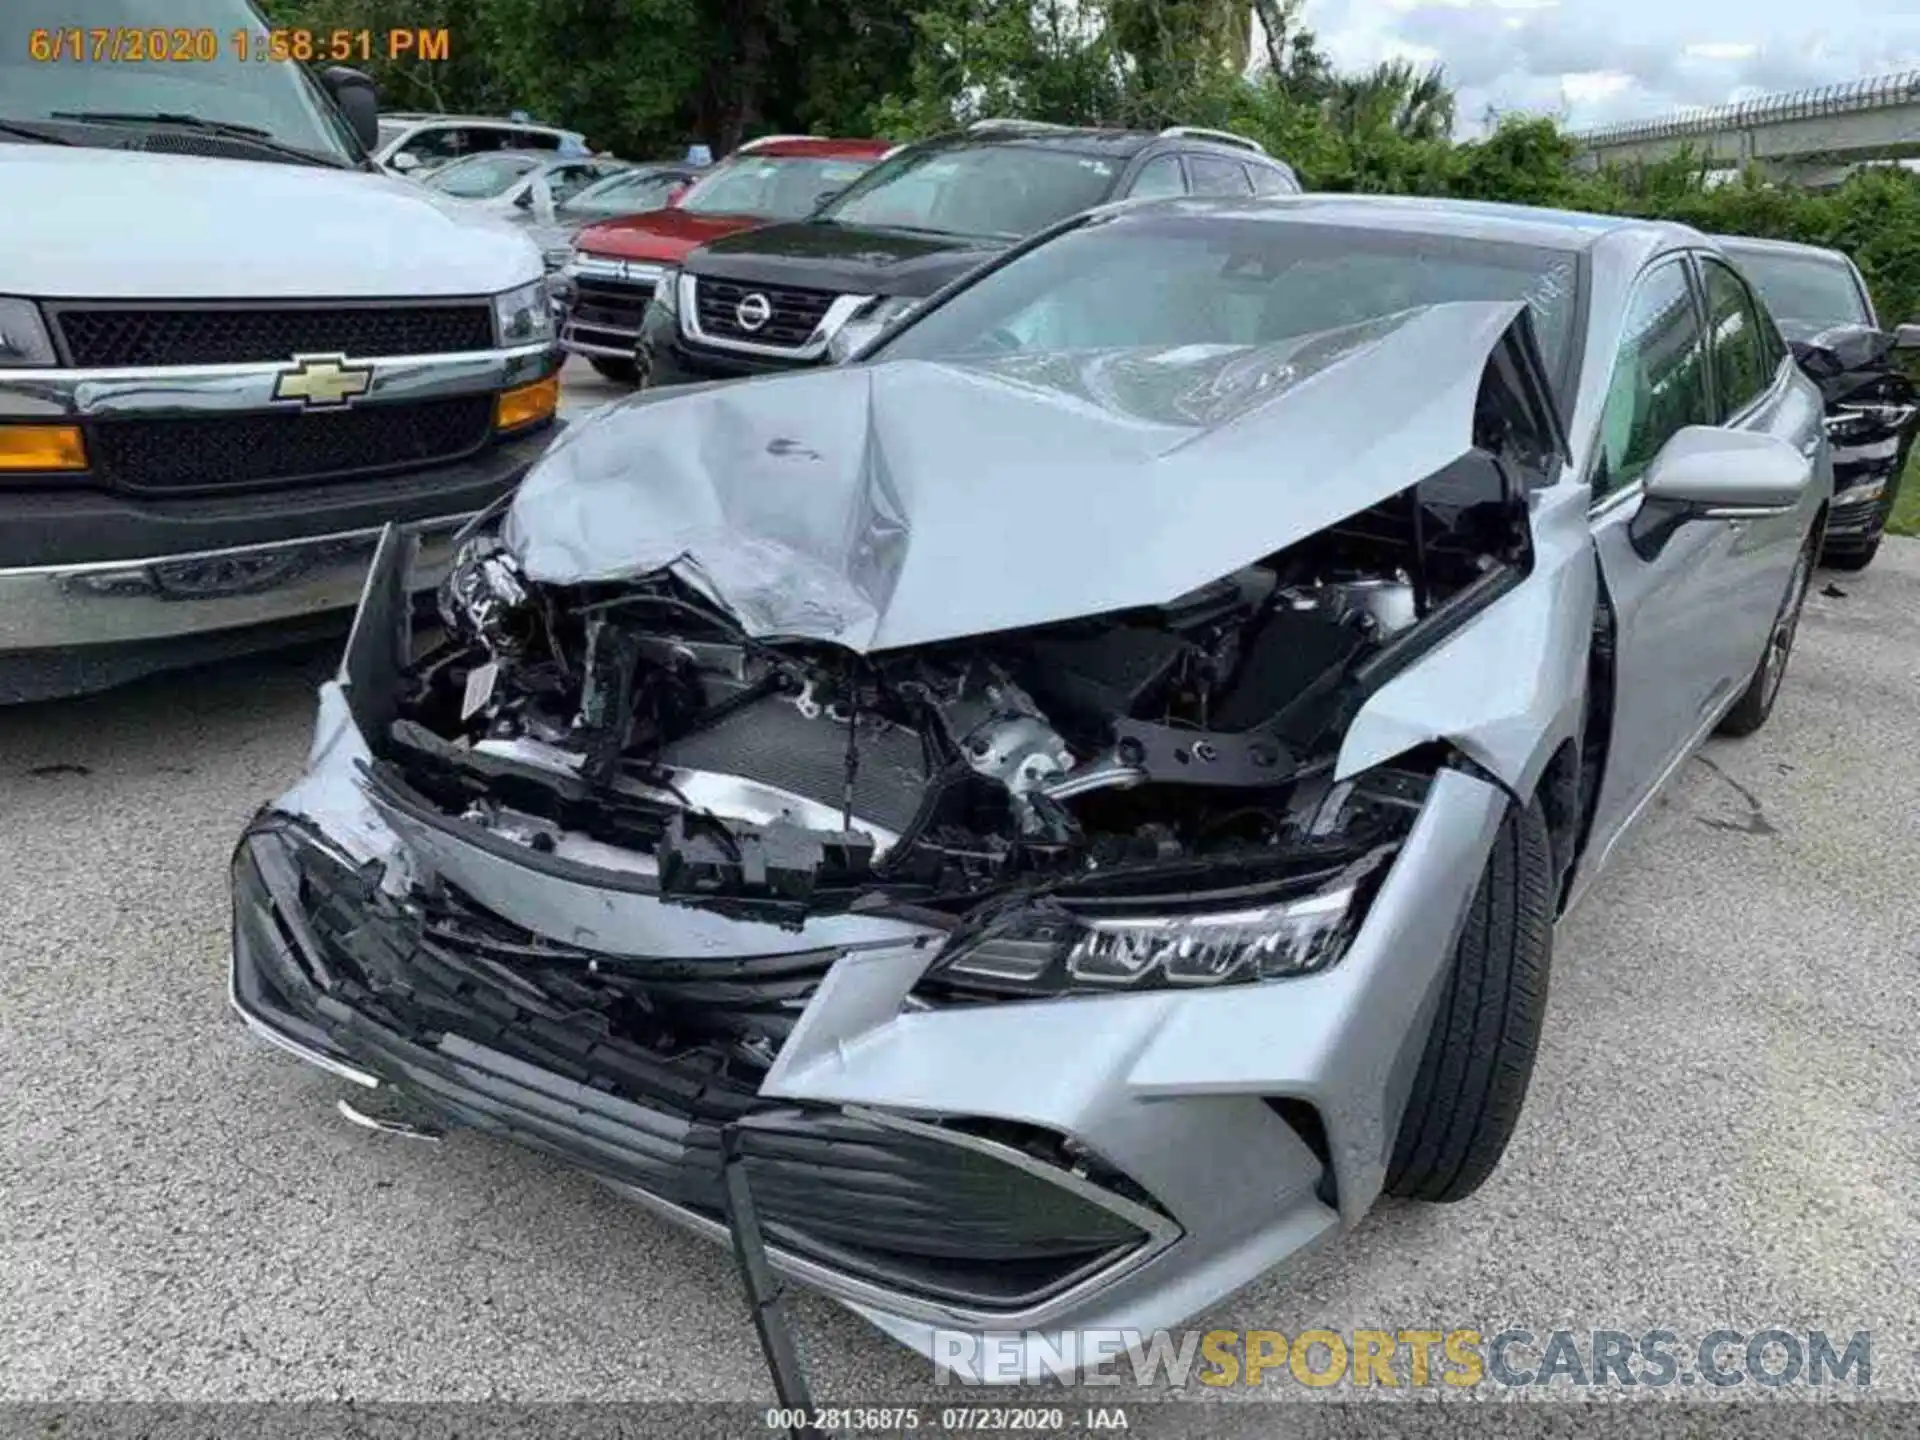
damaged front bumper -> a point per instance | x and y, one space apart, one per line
1027 1166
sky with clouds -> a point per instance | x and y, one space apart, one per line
1593 62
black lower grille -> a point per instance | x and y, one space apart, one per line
115 335
791 315
181 455
632 1069
609 305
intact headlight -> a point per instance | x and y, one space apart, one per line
1051 949
1862 493
1293 925
524 316
23 335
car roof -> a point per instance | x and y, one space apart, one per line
416 117
817 145
1755 245
1084 140
543 158
1097 140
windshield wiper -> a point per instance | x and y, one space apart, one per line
250 134
32 132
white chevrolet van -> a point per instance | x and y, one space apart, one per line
230 349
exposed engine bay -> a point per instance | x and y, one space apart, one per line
1157 753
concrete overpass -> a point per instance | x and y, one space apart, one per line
1811 137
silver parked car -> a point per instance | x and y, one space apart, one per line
1071 805
509 181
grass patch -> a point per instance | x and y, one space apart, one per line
1905 519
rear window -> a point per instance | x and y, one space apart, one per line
1805 288
481 177
1193 279
1003 191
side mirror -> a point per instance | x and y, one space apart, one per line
1907 337
357 99
1705 473
405 162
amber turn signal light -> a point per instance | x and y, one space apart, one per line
527 404
42 447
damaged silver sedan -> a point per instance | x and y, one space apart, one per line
1073 803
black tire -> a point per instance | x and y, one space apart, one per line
621 372
1473 1075
1755 704
1856 557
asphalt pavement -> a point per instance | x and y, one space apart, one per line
1720 1131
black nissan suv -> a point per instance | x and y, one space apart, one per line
776 298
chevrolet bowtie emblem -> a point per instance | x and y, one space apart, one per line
322 381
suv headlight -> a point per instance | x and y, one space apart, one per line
524 316
23 335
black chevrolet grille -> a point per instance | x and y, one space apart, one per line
609 305
105 335
796 313
632 1069
219 452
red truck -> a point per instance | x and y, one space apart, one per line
616 264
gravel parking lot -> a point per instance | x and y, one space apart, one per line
1719 1132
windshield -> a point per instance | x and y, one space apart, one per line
627 194
208 70
779 187
999 190
480 177
1800 287
390 131
1197 279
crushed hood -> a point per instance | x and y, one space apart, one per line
907 502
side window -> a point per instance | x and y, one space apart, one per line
1659 382
1215 176
431 147
533 139
1159 176
566 180
1740 367
1269 181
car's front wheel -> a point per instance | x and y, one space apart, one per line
1473 1075
621 372
1853 557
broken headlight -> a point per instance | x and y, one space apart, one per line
1052 950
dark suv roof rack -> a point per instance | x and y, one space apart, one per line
989 126
1224 137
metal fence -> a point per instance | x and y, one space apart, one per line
1877 92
